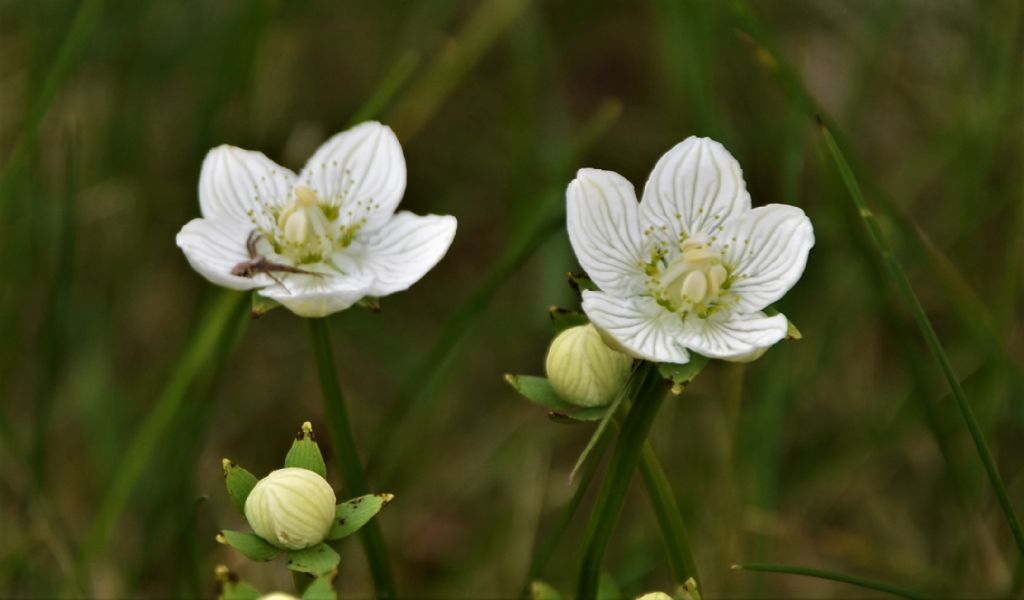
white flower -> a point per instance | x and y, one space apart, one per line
291 508
319 241
583 369
692 266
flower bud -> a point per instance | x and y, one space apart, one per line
654 596
583 369
291 508
277 596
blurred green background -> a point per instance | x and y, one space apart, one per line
842 451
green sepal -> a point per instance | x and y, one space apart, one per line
564 318
321 588
682 375
370 303
351 515
261 305
230 587
540 590
239 483
251 545
539 391
579 282
792 333
305 453
315 560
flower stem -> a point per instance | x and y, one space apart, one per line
616 482
347 455
666 509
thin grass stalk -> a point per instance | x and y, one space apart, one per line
612 495
861 582
930 337
346 453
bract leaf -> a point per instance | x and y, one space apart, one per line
315 560
305 452
239 483
251 545
352 514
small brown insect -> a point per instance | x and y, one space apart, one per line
258 263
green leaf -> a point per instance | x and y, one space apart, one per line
315 560
321 589
352 514
539 391
564 318
305 453
682 375
251 545
239 483
542 591
261 305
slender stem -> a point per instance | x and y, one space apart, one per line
616 482
347 455
930 337
666 509
833 576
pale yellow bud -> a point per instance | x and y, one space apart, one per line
655 596
291 508
583 369
277 596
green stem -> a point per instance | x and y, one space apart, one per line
832 576
930 337
347 455
543 552
666 509
197 356
616 482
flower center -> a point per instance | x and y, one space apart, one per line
694 279
305 231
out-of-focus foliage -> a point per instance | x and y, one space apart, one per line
842 450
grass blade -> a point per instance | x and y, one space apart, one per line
616 481
930 337
868 584
347 454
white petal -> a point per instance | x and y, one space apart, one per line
214 247
642 327
362 171
401 252
695 186
242 186
604 229
732 336
766 251
312 296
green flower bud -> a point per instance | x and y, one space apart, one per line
277 596
654 596
291 508
583 369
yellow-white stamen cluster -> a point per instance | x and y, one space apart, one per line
694 279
